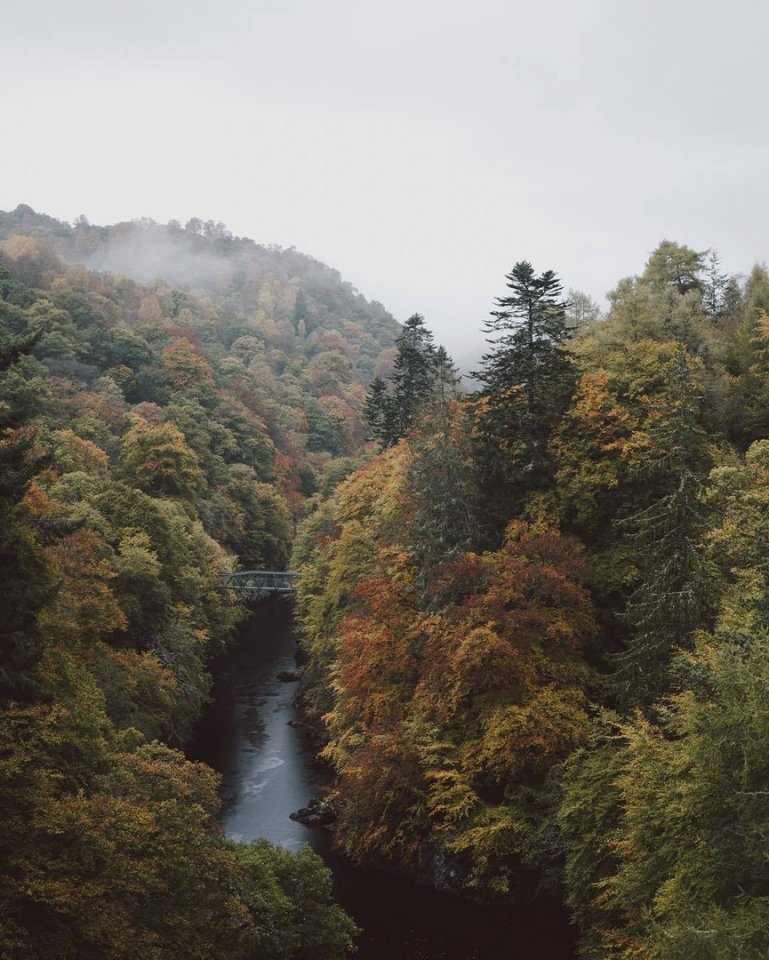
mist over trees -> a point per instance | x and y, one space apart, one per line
152 440
533 611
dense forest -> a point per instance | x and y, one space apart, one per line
533 612
536 622
154 437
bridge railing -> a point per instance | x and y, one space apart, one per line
257 584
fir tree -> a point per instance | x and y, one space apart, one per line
440 476
528 380
715 287
446 381
391 414
376 411
413 374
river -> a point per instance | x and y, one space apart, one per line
269 770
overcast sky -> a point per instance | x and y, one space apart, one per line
420 147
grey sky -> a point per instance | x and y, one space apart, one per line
419 147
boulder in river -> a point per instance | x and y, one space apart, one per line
289 676
317 813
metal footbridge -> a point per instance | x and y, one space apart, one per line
255 585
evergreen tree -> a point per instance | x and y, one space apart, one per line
715 287
418 365
528 381
671 599
756 380
733 298
376 411
440 472
446 380
441 478
301 320
413 375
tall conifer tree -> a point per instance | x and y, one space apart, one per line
376 410
440 476
391 415
413 375
528 380
670 600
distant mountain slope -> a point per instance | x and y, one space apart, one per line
263 284
152 439
266 341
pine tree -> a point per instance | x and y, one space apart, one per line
528 381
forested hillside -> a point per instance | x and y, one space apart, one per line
155 435
288 345
536 623
533 615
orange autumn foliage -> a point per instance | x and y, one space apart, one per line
446 713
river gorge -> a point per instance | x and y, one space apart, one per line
269 769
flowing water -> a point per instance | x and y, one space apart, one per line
269 771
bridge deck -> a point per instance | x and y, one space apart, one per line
259 584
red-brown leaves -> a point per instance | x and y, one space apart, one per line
479 694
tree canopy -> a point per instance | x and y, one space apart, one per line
533 615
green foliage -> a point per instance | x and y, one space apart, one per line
26 578
442 484
717 288
666 822
273 345
421 376
123 454
450 683
256 525
479 708
675 266
289 897
662 815
457 729
528 380
159 461
581 311
112 854
672 595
